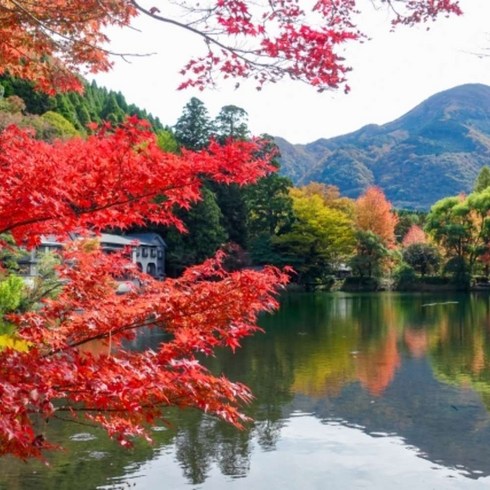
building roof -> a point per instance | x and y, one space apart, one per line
151 239
109 239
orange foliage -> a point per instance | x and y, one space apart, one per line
48 41
374 213
377 370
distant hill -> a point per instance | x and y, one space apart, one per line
433 151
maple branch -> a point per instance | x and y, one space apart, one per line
234 51
73 420
79 212
208 38
55 32
100 336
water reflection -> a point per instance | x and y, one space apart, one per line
359 389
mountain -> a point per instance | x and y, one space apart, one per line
433 151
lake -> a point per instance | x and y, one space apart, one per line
353 391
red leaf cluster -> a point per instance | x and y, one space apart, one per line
48 42
78 364
117 178
110 179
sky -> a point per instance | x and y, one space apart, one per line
392 73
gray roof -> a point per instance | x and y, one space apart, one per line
151 239
108 239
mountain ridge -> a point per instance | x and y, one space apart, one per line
434 150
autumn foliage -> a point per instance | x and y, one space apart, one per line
109 179
119 388
113 179
415 234
374 213
119 177
51 40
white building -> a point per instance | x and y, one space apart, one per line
148 252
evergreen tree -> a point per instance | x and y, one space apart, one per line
231 122
205 234
65 107
483 179
193 129
36 102
111 111
234 210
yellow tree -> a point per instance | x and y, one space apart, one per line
321 237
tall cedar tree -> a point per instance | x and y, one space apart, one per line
111 179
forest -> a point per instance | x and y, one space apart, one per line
330 241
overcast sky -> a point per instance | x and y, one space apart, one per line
391 74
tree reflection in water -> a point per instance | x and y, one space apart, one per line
413 365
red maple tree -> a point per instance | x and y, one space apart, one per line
50 40
112 179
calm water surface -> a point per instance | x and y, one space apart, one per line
352 392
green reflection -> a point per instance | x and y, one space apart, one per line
332 354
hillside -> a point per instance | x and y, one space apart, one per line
433 151
96 104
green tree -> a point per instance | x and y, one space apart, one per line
166 140
461 226
451 229
65 107
371 255
269 205
231 122
231 201
482 181
83 115
269 213
36 102
205 234
59 126
422 257
111 111
320 238
193 128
